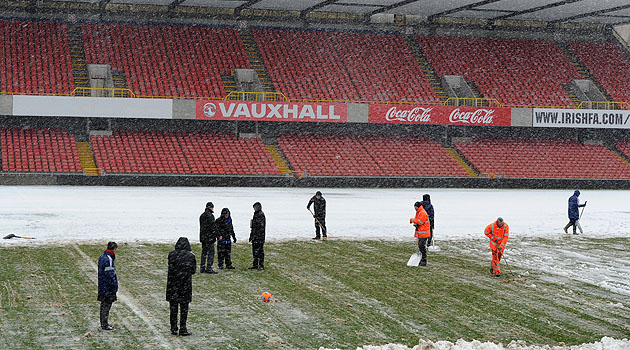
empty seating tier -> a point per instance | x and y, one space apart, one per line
162 152
514 71
35 58
624 147
39 150
609 64
332 65
540 158
369 155
183 61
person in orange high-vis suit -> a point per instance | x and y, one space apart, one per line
423 230
498 232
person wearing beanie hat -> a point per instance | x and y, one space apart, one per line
422 232
107 283
207 236
225 230
319 205
426 204
257 237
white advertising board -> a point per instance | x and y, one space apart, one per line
93 107
581 118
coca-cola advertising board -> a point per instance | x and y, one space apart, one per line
443 115
272 111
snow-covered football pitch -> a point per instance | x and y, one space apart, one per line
540 261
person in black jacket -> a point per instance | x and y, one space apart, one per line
257 237
426 204
207 236
319 205
107 283
225 230
181 266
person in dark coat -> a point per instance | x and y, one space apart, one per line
207 236
181 266
319 206
574 213
225 231
257 237
107 283
428 207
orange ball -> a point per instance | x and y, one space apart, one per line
265 296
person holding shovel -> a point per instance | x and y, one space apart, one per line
319 205
498 232
574 213
422 232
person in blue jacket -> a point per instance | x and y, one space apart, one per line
574 213
107 283
428 207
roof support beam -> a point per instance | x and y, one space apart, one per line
462 8
536 9
237 10
304 12
594 13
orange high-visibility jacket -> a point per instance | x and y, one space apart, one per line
498 235
423 225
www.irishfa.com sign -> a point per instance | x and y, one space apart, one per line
581 118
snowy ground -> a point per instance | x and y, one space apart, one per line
55 215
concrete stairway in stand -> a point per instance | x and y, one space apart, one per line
278 158
86 157
461 161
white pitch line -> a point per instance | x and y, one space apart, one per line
127 299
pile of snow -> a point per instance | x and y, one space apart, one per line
605 344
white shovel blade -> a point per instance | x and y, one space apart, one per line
434 248
414 260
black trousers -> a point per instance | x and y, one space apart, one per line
207 252
183 308
258 251
106 305
422 247
224 252
572 222
322 221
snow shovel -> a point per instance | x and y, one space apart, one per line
324 231
580 218
433 247
415 258
9 236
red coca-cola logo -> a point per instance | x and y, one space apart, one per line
417 114
478 116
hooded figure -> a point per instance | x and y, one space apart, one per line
574 213
207 236
181 266
319 206
225 231
257 237
422 231
428 207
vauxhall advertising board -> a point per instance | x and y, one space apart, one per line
272 111
442 115
581 118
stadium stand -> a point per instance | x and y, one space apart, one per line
35 57
224 153
170 152
367 155
331 65
39 150
608 63
542 158
514 71
184 61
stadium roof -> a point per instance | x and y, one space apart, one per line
609 12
